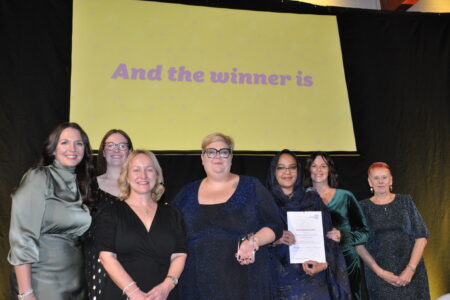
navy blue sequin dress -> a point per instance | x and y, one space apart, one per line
212 271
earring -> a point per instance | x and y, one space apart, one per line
391 188
371 190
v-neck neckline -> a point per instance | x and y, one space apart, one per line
142 223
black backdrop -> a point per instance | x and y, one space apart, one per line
397 68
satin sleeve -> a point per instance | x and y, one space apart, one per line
27 211
359 231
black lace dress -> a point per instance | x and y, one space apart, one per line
95 273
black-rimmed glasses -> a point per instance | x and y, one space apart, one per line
112 146
223 153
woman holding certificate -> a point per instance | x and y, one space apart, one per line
346 214
310 280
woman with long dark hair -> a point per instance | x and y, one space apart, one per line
310 280
346 214
48 216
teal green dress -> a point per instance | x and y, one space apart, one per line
47 220
347 216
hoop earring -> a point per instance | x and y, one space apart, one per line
391 188
371 190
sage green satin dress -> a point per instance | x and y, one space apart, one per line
47 220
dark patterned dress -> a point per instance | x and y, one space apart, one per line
213 231
348 217
95 273
393 229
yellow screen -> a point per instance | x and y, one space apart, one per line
169 74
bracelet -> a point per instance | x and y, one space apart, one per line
174 279
23 295
411 268
132 292
127 287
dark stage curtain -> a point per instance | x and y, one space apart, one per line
397 68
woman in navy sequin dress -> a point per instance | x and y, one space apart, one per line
218 211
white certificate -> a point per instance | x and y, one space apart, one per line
308 230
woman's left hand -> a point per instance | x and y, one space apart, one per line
313 267
161 291
334 235
405 277
246 252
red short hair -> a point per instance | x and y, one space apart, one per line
379 165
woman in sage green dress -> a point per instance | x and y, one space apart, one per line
346 214
48 217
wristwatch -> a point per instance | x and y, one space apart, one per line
174 279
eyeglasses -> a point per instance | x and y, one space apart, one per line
223 153
290 168
112 146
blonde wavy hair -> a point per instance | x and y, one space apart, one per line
124 186
217 137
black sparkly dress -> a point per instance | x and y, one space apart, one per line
95 273
393 229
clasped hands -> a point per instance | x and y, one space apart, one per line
159 292
401 280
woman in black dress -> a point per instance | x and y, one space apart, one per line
112 153
142 243
397 239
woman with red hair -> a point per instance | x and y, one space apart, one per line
397 239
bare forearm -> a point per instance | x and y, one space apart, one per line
417 252
264 236
23 275
177 262
368 259
115 270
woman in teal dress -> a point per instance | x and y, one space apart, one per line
347 216
48 217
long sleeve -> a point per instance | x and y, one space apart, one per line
269 211
28 206
359 231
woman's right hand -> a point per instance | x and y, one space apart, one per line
137 295
389 277
334 235
288 238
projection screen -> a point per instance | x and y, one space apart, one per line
169 74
